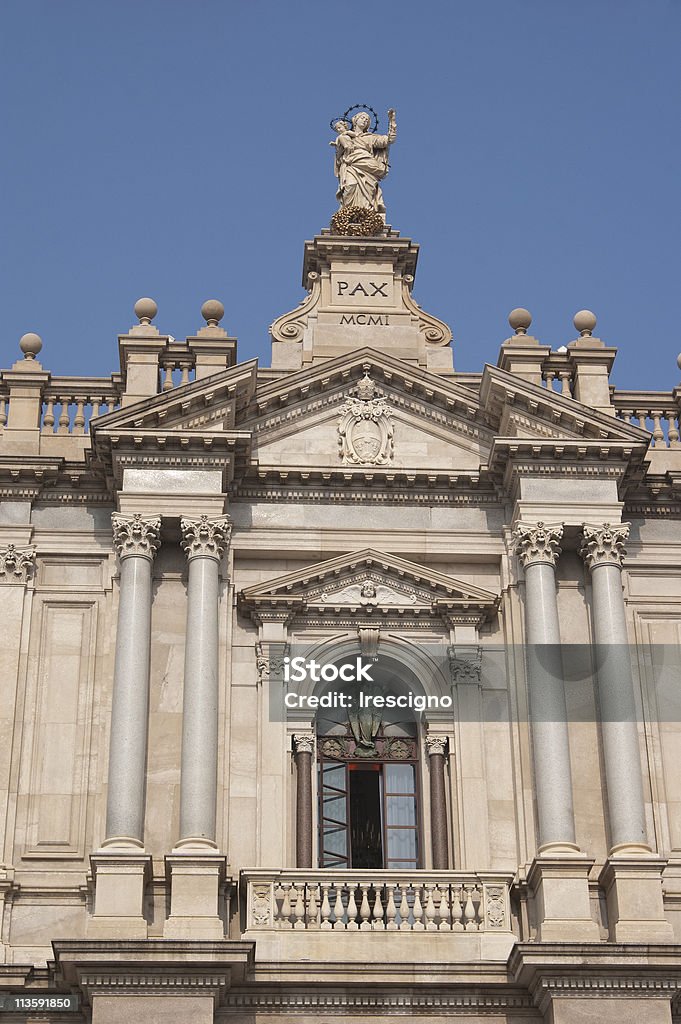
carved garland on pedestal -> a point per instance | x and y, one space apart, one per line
357 220
365 427
604 544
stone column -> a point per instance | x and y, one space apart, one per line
136 539
538 547
121 867
632 874
204 541
558 876
436 748
303 747
195 866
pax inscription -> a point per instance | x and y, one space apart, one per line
367 290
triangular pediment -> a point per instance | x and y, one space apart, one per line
369 583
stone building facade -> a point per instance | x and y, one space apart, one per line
505 542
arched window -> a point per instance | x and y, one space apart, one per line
368 790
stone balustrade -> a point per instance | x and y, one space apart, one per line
654 411
558 374
69 403
177 366
363 900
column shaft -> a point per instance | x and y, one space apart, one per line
303 759
438 812
198 795
130 706
619 731
538 550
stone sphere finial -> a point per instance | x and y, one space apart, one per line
145 311
212 312
584 322
678 361
30 345
520 320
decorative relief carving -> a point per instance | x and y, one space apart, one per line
303 742
291 326
365 427
604 545
261 905
436 745
16 564
537 542
495 906
436 332
369 594
269 660
136 534
204 537
465 664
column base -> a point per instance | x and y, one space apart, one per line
195 875
633 892
560 888
120 875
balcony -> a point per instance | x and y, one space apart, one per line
449 915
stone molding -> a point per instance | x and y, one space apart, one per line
537 542
136 535
303 742
436 745
604 545
17 565
204 537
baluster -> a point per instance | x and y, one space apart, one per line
626 415
565 388
110 404
299 905
351 911
444 911
642 417
469 910
430 909
48 418
326 908
285 918
457 910
673 428
549 377
312 907
365 909
391 909
96 401
338 909
64 421
404 909
185 374
417 911
79 419
167 378
3 412
378 924
658 432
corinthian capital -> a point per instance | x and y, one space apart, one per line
604 545
204 537
16 564
465 664
436 745
303 742
537 542
136 535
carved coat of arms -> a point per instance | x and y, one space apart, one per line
365 428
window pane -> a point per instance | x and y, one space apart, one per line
399 778
400 810
401 844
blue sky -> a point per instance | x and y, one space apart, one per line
179 150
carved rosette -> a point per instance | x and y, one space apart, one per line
303 742
136 535
537 542
604 545
204 537
365 427
16 564
436 745
465 665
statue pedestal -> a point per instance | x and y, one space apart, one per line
359 296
